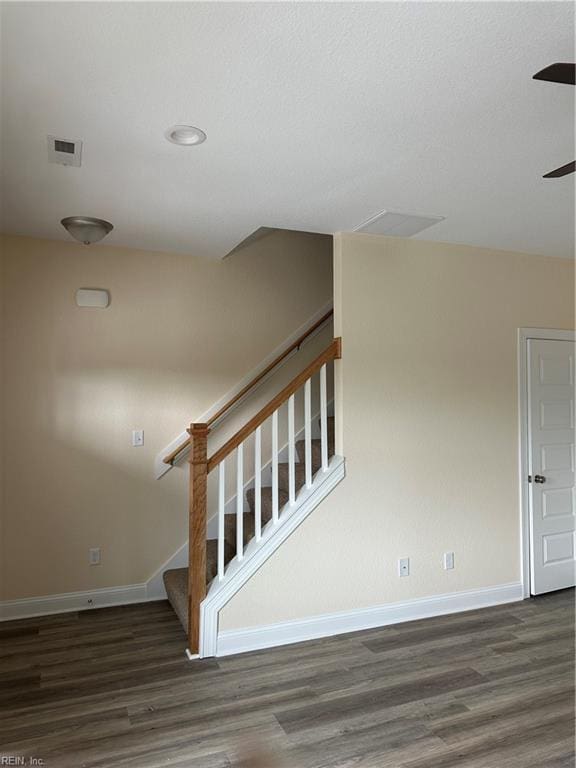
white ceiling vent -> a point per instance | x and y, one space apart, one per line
398 224
64 151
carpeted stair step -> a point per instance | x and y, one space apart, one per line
248 530
266 497
176 584
330 425
316 446
176 579
316 453
300 468
283 481
249 522
211 560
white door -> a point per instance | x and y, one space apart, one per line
551 464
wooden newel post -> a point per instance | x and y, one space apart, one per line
197 531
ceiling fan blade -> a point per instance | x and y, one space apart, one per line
558 73
562 171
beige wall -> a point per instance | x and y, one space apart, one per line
180 332
1 419
429 429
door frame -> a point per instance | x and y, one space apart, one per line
524 335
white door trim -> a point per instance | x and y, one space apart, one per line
524 334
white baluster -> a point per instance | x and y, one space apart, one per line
240 501
308 432
258 484
221 526
291 454
275 466
323 418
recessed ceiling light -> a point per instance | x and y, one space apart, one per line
185 135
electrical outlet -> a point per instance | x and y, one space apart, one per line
448 561
404 566
137 437
94 556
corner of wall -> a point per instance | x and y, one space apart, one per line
338 332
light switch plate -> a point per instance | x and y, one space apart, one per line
94 555
137 437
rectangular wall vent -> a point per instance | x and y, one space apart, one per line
397 224
64 151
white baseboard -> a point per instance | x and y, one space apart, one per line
73 601
257 638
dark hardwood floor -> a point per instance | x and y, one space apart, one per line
108 688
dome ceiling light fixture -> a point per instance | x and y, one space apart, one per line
86 229
185 135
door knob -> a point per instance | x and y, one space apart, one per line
539 479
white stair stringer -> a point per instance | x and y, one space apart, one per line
256 553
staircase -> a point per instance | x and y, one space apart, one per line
265 516
176 580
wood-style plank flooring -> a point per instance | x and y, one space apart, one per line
110 687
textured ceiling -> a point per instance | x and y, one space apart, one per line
318 117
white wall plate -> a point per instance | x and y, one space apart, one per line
93 297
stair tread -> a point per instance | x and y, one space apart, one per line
300 466
266 496
176 580
316 447
249 517
176 584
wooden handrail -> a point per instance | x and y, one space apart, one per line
170 458
332 352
